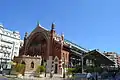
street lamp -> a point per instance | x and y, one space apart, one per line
82 64
95 70
45 68
83 55
82 61
63 67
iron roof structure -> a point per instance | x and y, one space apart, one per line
76 48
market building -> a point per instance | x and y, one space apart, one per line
44 46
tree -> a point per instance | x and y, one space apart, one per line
89 69
78 69
98 69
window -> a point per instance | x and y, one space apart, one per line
4 49
32 65
15 52
9 47
16 48
63 54
1 48
66 56
8 55
4 55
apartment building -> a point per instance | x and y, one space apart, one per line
112 56
9 47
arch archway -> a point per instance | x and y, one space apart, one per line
37 45
33 35
32 64
23 62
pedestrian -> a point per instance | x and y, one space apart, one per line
89 76
51 73
114 74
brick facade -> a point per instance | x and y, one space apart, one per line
48 45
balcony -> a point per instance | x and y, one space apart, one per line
7 41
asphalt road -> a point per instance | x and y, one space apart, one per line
30 78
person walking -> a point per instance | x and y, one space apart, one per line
89 76
51 73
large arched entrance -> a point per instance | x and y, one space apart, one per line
37 45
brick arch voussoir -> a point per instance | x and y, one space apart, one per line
30 39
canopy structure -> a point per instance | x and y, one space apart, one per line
99 57
75 47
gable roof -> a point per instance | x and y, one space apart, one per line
39 28
57 38
100 57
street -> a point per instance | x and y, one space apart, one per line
5 78
8 77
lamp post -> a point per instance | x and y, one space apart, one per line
45 68
83 55
82 64
95 69
82 61
63 67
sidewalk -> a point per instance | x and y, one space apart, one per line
55 77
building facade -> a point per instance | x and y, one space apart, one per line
44 46
75 54
112 56
21 43
9 47
118 60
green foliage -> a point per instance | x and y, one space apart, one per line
93 69
70 71
20 68
89 69
78 69
40 69
98 69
